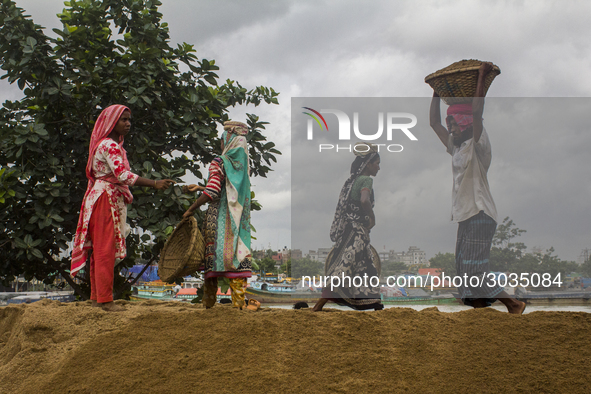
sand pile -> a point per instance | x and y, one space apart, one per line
166 347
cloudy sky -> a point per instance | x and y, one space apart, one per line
539 175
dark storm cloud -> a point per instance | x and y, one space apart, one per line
385 49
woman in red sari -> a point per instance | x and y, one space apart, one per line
102 225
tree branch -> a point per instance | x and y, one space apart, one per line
69 279
149 263
122 288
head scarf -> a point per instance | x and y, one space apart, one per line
365 153
102 128
462 114
234 210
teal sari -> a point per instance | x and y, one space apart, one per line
228 219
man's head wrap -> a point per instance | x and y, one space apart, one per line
462 114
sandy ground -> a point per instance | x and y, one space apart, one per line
168 347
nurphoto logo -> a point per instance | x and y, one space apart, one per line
395 121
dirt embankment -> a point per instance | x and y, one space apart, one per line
164 347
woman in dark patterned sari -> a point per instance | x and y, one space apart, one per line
351 258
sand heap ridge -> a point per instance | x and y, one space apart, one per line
168 347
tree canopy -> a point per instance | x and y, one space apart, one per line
509 256
108 52
445 261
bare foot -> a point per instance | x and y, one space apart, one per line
94 304
112 307
518 309
318 307
513 305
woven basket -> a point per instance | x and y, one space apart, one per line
183 252
375 259
456 83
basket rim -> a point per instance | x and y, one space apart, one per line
441 73
191 221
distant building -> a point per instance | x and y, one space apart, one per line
323 254
430 271
313 255
278 258
413 256
285 255
296 255
384 256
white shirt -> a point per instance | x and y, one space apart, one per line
471 193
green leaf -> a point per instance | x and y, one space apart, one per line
57 217
37 253
41 131
20 244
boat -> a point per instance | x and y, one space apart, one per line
153 290
280 293
27 297
570 298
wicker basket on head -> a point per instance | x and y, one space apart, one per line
183 252
456 83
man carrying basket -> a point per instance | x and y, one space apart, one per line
473 208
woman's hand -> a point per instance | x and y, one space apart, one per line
188 214
485 68
193 188
163 184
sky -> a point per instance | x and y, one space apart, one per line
539 174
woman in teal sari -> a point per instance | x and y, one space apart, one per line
227 220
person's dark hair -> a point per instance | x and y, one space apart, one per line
359 160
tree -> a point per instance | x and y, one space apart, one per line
586 267
286 268
505 232
111 51
507 256
445 261
393 267
306 266
267 264
504 254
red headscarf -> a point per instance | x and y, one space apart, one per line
102 128
462 114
